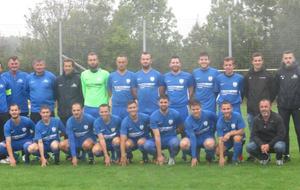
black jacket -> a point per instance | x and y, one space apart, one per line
258 85
287 86
67 91
269 132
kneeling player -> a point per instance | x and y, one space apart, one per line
164 123
18 132
47 135
200 128
107 128
230 130
80 133
134 132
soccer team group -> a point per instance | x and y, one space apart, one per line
113 114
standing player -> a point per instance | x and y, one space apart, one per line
179 87
258 85
80 133
200 130
122 86
40 85
230 130
204 81
17 81
47 135
67 90
134 132
94 85
164 122
287 86
18 132
107 128
229 85
149 85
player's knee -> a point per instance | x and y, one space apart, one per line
97 150
209 144
175 143
129 144
64 145
185 144
116 141
237 138
33 148
54 146
141 142
87 144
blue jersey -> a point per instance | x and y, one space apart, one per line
79 129
229 88
109 130
177 88
148 90
166 124
5 91
120 87
41 90
49 132
236 122
204 81
19 95
21 131
136 130
200 127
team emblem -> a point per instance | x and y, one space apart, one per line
85 127
233 126
53 129
74 85
205 123
113 129
170 121
210 78
1 86
19 81
152 79
294 76
234 84
128 81
142 127
24 129
46 81
181 81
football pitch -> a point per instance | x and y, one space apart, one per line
149 176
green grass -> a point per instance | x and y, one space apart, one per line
136 176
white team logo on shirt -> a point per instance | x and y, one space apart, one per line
170 121
205 123
24 129
152 79
181 81
46 81
113 129
19 81
53 129
128 81
294 76
234 84
233 126
210 78
74 85
85 127
142 127
1 86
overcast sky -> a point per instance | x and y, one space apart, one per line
12 21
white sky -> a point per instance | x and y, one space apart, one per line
12 21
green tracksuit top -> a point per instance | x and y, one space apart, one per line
94 87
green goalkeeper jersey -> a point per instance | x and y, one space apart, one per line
94 87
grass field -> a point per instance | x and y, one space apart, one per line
181 176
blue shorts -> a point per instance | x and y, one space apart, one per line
201 140
135 142
165 141
230 142
18 145
79 141
47 145
120 111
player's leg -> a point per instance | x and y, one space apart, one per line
237 148
209 146
3 150
279 149
54 147
129 145
141 143
285 114
173 146
254 150
116 147
87 146
97 150
26 151
185 145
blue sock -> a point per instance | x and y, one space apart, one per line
237 147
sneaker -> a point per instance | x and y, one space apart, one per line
5 161
235 162
279 162
286 158
265 162
91 162
171 161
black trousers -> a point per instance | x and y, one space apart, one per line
286 115
35 116
3 118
